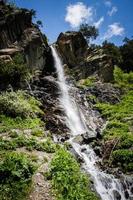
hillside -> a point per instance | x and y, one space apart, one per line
66 114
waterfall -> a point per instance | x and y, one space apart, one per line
106 185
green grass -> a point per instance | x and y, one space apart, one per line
120 125
31 143
88 82
16 171
68 182
123 80
19 104
8 123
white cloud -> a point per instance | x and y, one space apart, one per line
78 13
108 3
114 29
99 22
112 11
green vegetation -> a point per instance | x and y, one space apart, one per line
88 82
127 52
89 32
16 171
112 51
67 179
123 80
120 123
14 72
124 158
8 123
19 104
31 143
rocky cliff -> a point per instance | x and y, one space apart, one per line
19 34
81 59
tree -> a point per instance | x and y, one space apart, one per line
127 55
33 13
113 52
39 23
89 32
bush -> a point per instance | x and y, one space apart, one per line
16 171
19 104
124 158
13 72
67 179
124 80
88 82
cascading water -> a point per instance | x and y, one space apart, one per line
106 185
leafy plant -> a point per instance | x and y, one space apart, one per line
14 72
88 82
67 179
19 104
16 171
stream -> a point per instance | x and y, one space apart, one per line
106 185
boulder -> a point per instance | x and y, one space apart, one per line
72 47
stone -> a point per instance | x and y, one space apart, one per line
88 137
117 195
72 47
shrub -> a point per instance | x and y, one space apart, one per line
67 179
124 80
13 72
88 82
16 171
19 104
123 158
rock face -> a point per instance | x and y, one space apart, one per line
81 60
18 34
72 47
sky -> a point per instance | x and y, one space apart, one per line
113 18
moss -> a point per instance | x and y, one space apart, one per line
67 179
16 171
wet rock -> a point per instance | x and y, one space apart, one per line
89 137
97 151
78 139
117 195
126 194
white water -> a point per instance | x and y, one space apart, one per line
105 184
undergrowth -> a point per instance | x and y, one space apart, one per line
120 122
16 171
67 180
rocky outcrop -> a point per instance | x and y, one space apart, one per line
81 60
72 47
19 34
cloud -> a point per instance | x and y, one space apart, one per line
99 22
78 13
114 29
112 11
108 3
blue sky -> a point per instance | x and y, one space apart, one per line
114 18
